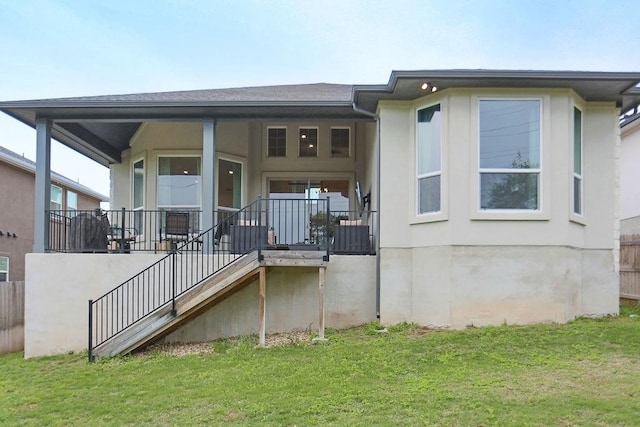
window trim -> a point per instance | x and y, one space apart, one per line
349 154
317 129
286 138
243 163
7 270
181 154
542 213
61 198
434 215
573 215
69 207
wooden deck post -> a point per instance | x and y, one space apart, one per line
321 279
263 306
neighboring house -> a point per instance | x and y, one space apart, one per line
17 184
457 197
630 173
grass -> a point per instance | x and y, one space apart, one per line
586 372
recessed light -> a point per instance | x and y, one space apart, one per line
303 136
433 89
230 172
424 86
185 172
310 145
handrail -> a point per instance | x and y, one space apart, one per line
163 281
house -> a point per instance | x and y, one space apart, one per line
629 173
447 198
17 184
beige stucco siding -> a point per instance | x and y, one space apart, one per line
467 266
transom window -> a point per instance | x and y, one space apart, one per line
577 161
308 142
428 147
510 154
277 142
4 269
340 142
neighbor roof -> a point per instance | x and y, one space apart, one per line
102 126
21 162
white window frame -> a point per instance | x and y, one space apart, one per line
348 128
419 176
317 129
577 216
286 137
6 271
243 164
141 208
55 201
541 213
173 207
72 208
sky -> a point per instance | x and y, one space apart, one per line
68 48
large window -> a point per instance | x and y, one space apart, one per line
56 198
277 142
179 182
510 154
137 192
577 161
428 147
4 269
340 142
308 142
229 184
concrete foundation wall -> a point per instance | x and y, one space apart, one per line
57 290
292 302
58 287
457 286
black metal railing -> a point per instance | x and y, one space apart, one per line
265 224
296 224
176 273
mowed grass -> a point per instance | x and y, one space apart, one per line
584 373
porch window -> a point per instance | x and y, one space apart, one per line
72 203
340 142
577 161
277 142
428 159
138 195
308 142
56 198
4 269
229 184
179 182
510 154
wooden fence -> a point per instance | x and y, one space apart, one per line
630 266
11 317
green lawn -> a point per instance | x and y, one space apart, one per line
584 373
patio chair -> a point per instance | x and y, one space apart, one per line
176 228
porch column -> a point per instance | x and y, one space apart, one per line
208 172
43 185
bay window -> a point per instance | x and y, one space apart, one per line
510 144
428 147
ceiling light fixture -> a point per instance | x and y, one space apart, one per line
185 172
424 86
230 172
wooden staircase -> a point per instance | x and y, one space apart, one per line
221 285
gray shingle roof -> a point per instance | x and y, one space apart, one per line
286 93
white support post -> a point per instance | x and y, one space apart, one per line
42 185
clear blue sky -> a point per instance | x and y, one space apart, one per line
60 48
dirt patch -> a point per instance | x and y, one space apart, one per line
182 349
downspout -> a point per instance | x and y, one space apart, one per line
377 224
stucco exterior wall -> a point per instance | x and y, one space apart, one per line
292 302
464 265
629 178
57 322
